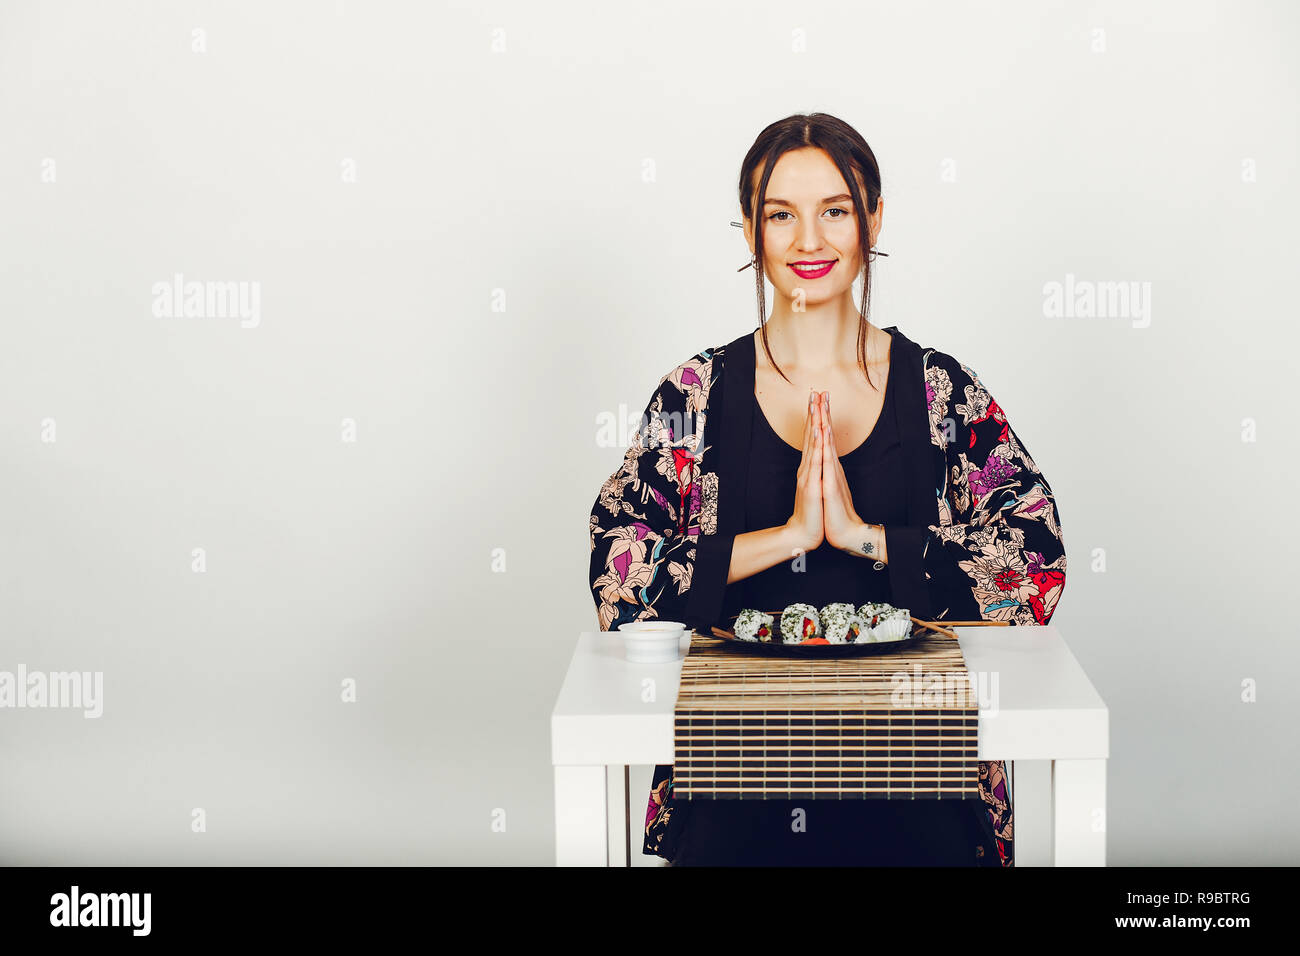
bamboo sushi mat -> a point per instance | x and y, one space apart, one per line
750 726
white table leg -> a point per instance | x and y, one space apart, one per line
581 817
1031 800
617 799
1079 812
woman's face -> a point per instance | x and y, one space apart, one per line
810 234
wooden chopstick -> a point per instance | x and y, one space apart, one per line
934 627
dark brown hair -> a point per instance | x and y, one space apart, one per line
850 153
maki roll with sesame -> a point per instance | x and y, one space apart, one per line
753 625
840 623
860 631
873 612
800 623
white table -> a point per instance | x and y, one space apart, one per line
1041 712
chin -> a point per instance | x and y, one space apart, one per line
814 298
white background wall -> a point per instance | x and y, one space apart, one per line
1109 141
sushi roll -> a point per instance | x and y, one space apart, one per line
799 623
835 622
753 625
874 611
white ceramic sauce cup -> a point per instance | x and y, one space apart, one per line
652 642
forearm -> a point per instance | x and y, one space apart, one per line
868 541
756 551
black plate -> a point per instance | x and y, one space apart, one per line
775 648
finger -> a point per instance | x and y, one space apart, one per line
808 428
835 452
827 432
835 470
833 476
837 481
830 461
831 470
808 437
818 448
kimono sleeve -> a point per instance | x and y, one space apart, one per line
997 553
647 549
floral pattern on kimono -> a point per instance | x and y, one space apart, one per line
650 513
997 550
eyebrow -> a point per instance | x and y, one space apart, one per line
783 202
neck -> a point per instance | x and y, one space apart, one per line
824 337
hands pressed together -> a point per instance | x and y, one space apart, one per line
823 505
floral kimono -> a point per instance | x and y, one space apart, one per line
982 540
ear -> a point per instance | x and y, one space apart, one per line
873 221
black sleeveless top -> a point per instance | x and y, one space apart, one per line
877 484
845 832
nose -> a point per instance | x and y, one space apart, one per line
810 234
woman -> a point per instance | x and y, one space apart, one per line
914 490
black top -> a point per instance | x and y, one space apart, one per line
851 831
877 483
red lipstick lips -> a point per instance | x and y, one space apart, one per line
812 270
